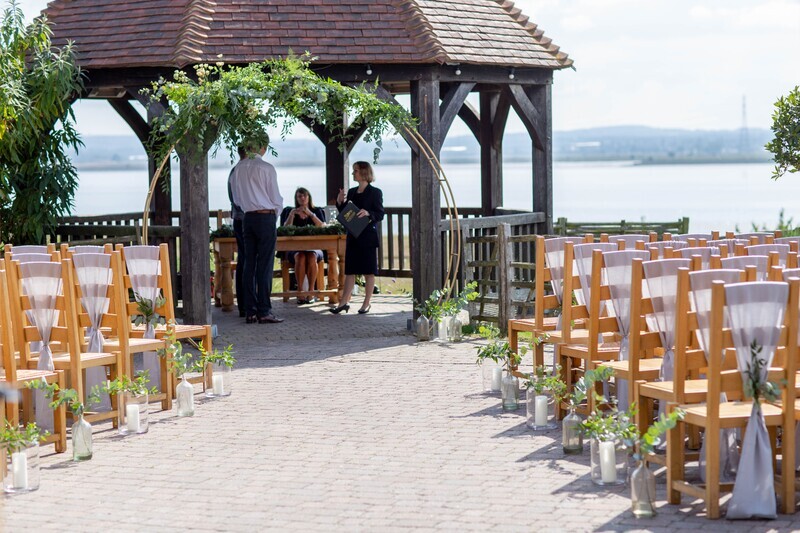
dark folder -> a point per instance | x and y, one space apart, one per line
349 219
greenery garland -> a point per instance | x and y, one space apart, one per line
306 231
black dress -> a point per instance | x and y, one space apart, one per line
300 222
361 255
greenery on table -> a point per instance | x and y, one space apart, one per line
225 231
223 105
14 439
38 84
305 231
785 147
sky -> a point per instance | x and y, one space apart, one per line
660 63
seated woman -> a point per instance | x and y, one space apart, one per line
305 262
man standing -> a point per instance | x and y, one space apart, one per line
238 230
254 187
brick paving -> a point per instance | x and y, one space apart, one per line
339 423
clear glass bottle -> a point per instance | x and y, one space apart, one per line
133 413
220 381
541 413
509 390
81 440
571 435
643 491
492 375
454 329
184 398
609 462
22 470
423 328
442 327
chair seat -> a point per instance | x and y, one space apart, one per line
136 344
732 414
649 369
549 324
25 375
695 390
88 360
182 331
607 350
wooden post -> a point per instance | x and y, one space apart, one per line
540 96
505 255
493 115
336 171
195 262
426 251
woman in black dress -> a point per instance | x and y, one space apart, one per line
305 262
361 255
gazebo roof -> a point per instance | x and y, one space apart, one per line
177 33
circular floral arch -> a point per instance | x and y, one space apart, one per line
228 106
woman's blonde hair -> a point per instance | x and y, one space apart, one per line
365 169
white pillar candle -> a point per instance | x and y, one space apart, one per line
132 417
19 469
540 412
497 377
218 383
608 462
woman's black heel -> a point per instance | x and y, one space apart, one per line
337 310
365 310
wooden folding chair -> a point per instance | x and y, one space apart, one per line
755 237
778 333
29 248
16 378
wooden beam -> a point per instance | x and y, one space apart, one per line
384 94
426 246
470 116
528 113
451 104
195 266
491 141
132 118
317 129
500 110
541 98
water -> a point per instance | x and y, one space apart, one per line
712 196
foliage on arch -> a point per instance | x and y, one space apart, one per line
38 84
231 106
786 127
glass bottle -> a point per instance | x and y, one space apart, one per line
22 470
540 409
220 381
454 329
492 374
509 390
571 436
185 398
81 440
423 329
609 462
442 327
133 414
643 491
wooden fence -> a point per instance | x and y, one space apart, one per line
563 227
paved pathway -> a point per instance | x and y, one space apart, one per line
338 423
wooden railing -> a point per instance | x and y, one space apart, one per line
563 228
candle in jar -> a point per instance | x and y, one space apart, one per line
497 377
132 417
608 462
218 383
19 469
540 412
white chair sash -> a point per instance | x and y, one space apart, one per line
94 277
761 236
741 262
729 244
787 240
696 236
143 267
42 284
661 245
86 249
701 283
583 263
554 259
629 240
766 249
756 313
619 268
661 277
705 253
29 249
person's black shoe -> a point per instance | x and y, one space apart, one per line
311 300
251 319
365 310
269 319
302 301
339 309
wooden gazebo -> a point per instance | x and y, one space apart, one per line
438 51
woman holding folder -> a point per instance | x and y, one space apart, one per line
361 255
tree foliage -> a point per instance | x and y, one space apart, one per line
232 106
786 126
39 83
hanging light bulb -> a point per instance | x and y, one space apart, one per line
511 74
369 70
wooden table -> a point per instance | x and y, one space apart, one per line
334 245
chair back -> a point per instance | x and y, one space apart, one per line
741 262
696 236
631 241
68 251
793 242
583 263
754 237
553 260
93 277
661 246
766 249
7 346
705 253
29 248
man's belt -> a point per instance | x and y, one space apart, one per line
263 211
